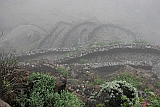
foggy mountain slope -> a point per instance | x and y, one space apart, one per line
113 32
85 33
140 16
75 36
22 38
65 35
53 39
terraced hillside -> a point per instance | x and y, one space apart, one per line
99 45
111 57
64 35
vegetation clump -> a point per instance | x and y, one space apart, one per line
42 94
96 81
117 94
83 61
62 71
140 41
135 81
67 99
10 77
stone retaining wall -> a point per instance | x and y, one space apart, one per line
135 54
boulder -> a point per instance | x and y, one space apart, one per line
4 104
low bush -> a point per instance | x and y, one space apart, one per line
151 99
135 81
67 99
117 94
41 94
83 61
96 81
62 71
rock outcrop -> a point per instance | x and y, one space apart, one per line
4 104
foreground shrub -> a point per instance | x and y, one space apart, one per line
67 99
117 94
12 78
7 64
41 94
151 99
135 81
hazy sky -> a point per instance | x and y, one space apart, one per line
135 14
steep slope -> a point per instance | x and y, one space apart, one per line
21 38
65 35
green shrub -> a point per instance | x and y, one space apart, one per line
69 54
42 94
151 99
62 71
72 81
115 42
118 93
67 99
8 63
43 90
79 50
100 105
135 81
140 41
21 100
158 84
96 81
83 61
7 86
154 99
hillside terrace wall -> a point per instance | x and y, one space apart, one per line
88 66
140 46
136 55
125 51
97 51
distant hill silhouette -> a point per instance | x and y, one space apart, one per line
64 35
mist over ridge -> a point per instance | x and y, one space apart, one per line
141 16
